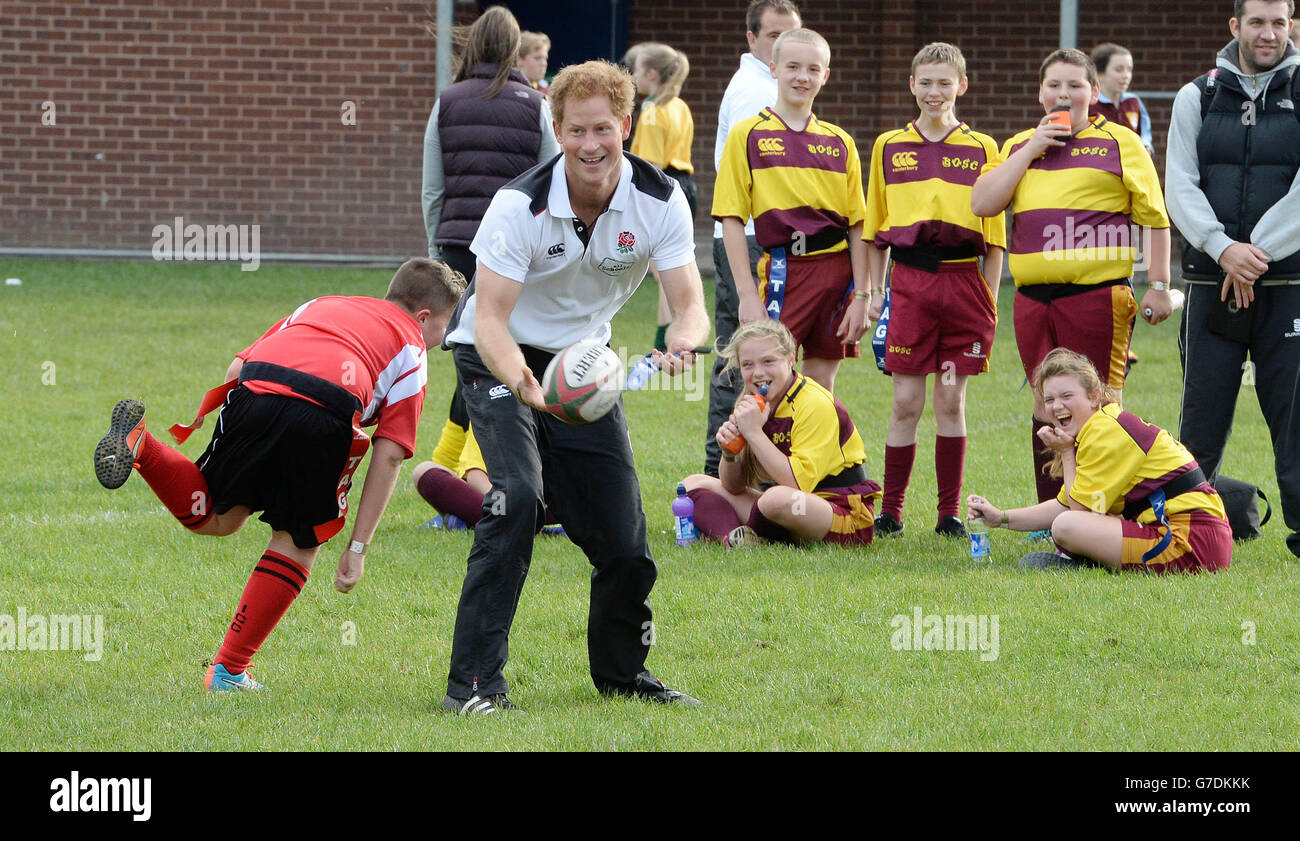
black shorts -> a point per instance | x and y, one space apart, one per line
281 456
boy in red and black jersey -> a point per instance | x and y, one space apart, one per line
290 438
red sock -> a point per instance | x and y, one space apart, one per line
451 495
949 465
276 581
1048 488
175 480
714 516
898 474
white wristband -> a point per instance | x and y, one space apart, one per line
356 547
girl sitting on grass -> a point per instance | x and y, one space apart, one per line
802 440
1133 498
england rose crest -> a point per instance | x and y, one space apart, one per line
626 242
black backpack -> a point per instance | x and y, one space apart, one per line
1240 500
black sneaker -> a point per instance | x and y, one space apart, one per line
887 526
950 527
650 688
116 452
480 706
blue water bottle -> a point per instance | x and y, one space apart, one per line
683 517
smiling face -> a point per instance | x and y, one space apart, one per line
592 140
1262 32
1068 403
800 70
762 362
1117 76
936 88
1067 84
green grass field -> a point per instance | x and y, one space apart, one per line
790 648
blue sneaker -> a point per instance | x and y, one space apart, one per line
553 530
219 680
449 522
1041 534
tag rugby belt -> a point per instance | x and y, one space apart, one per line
928 259
335 399
776 271
846 478
1176 486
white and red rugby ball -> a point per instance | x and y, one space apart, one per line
583 382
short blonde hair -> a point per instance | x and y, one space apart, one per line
531 42
593 78
800 36
940 52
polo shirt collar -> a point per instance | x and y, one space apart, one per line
752 64
558 200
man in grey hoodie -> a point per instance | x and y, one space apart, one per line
1232 180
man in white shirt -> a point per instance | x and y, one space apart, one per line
751 89
560 250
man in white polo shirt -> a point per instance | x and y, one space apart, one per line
751 89
560 250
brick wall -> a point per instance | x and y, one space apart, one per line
228 112
873 41
220 111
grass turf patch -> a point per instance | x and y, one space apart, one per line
789 648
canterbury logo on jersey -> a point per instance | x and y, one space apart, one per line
771 146
904 161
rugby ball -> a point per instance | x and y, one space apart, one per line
583 382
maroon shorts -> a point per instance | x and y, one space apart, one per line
937 318
1201 543
1097 323
854 519
818 291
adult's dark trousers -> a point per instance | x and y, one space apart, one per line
461 259
585 473
1213 368
724 386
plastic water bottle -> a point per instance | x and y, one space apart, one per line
1176 297
980 550
735 445
683 516
640 373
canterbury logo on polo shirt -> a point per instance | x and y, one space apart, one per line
770 146
904 161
